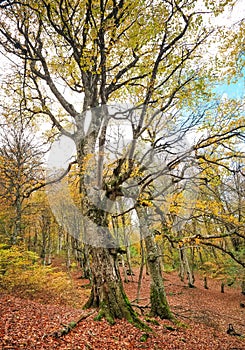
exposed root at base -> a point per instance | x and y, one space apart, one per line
67 328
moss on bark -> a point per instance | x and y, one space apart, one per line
107 292
159 304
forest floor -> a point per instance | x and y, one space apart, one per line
204 315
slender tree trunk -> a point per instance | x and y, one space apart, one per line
45 237
142 250
130 270
17 233
205 281
159 304
127 244
181 268
68 252
159 249
147 267
48 256
243 286
59 239
185 267
35 239
84 262
124 269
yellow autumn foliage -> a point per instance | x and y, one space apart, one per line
22 274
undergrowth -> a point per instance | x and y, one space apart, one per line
22 275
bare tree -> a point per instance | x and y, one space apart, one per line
20 170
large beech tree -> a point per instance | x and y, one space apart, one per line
78 56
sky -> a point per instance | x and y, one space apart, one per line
234 90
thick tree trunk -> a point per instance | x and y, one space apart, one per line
159 304
107 292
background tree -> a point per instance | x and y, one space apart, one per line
20 170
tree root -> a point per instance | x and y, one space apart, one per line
141 307
67 328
